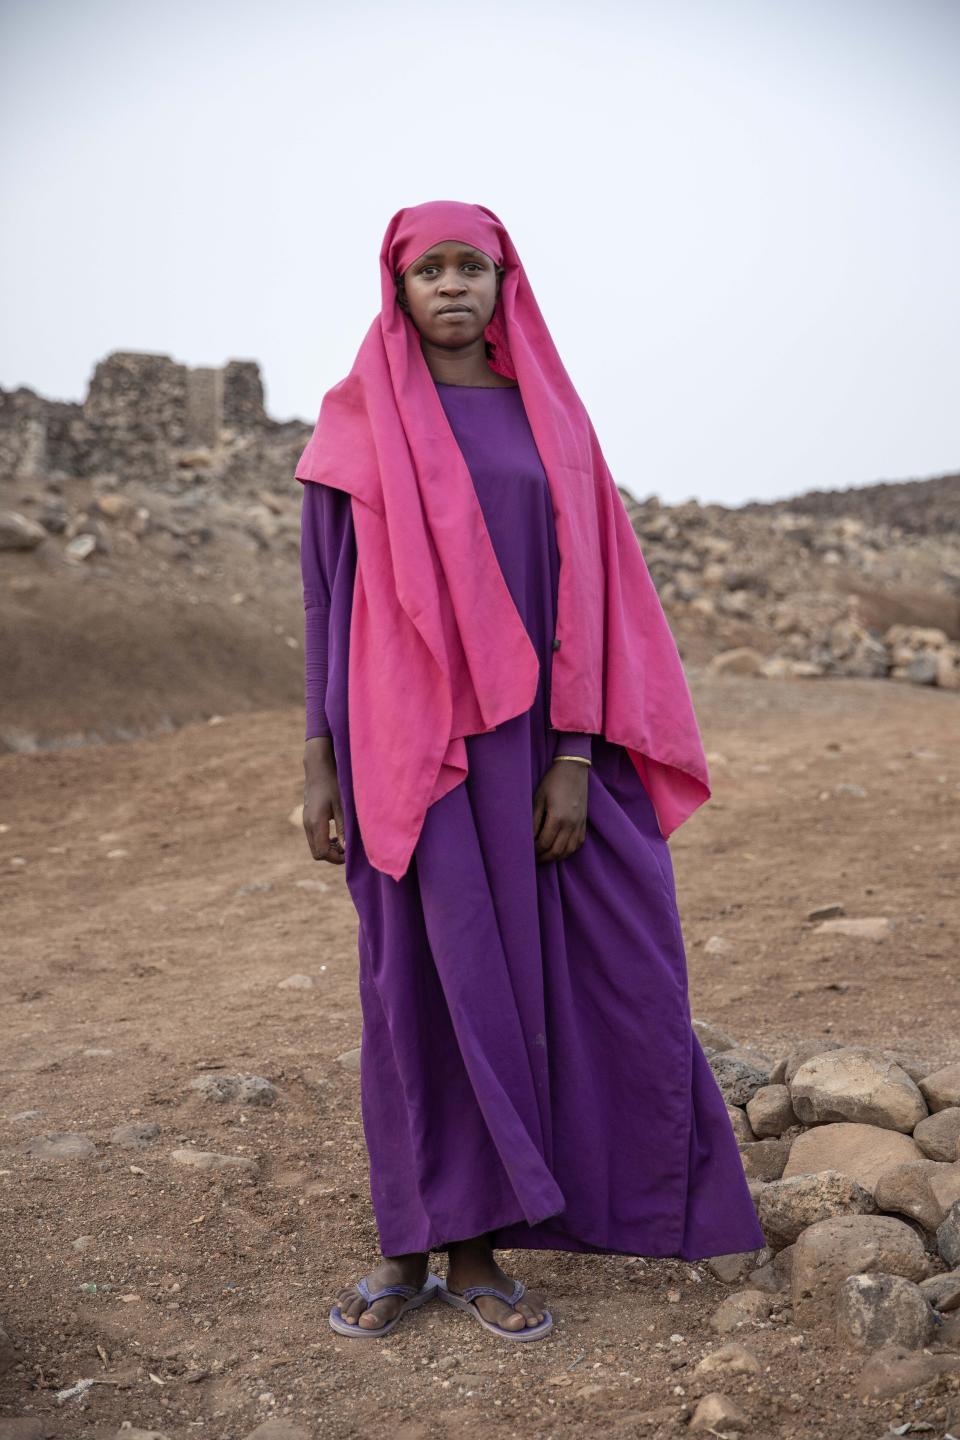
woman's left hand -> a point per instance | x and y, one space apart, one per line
560 811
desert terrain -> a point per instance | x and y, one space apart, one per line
164 925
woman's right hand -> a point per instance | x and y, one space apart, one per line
321 801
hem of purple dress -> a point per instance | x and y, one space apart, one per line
517 1237
513 1234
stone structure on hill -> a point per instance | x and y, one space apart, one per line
145 416
863 582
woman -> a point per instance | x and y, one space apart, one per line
500 730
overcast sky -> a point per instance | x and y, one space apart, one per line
741 218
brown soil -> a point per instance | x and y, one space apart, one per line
126 977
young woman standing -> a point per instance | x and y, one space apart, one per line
500 730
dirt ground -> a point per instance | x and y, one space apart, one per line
155 894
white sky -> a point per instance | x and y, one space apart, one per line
741 218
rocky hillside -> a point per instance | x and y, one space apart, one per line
149 562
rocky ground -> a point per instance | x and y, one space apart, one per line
183 1184
148 581
158 901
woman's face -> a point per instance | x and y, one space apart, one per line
450 293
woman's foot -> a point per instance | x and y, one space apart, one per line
392 1270
472 1263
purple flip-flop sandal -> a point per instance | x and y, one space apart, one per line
465 1302
414 1297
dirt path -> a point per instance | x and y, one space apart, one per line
165 895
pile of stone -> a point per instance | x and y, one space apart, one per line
852 1155
836 596
863 582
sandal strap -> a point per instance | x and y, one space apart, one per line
519 1289
406 1290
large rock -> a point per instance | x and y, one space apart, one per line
770 1111
895 1369
939 1135
948 1237
788 1207
943 1291
941 1090
804 1050
712 1037
881 1309
923 1189
741 1126
738 1076
858 1085
764 1159
862 1152
831 1250
916 1068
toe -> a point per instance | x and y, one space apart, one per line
351 1303
506 1316
379 1312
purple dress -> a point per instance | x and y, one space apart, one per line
528 1065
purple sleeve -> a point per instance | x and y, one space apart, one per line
574 742
316 610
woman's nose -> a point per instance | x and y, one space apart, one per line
452 284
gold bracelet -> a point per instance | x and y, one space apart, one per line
582 758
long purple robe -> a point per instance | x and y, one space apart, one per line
528 1065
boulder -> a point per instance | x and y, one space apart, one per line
770 1111
939 1134
862 1152
880 1309
948 1237
858 1085
941 1090
712 1036
896 1369
764 1159
943 1291
922 1189
804 1050
739 1078
828 1252
742 1128
788 1207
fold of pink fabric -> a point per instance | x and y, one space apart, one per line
437 648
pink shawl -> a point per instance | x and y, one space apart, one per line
438 650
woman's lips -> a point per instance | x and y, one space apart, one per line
458 310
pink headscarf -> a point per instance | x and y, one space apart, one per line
438 650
